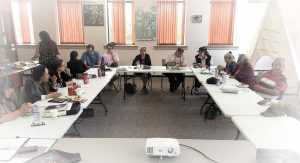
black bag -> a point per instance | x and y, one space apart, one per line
74 109
210 112
87 112
212 80
130 88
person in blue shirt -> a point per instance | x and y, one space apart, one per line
91 57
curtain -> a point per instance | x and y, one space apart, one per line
119 31
24 22
183 25
167 22
133 23
70 22
222 22
8 27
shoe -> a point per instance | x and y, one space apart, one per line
196 91
144 90
110 87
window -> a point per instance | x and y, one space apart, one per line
121 22
171 22
221 22
22 18
70 21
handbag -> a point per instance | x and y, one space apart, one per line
75 108
130 88
212 80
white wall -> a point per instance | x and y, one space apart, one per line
45 18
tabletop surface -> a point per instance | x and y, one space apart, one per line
270 132
154 69
54 127
128 150
244 103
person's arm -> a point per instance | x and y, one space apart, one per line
37 52
116 58
170 61
264 90
150 63
98 62
183 62
27 107
135 60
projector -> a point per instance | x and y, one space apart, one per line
162 147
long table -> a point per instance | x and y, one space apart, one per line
16 71
128 150
242 104
54 127
270 132
154 70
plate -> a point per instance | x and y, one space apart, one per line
242 85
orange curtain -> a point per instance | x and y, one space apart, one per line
222 22
133 24
70 22
167 22
8 27
183 25
119 31
24 22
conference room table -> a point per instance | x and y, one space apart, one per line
129 150
154 70
55 127
270 132
244 103
29 66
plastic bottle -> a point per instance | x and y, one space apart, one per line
36 114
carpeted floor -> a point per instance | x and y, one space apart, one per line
159 114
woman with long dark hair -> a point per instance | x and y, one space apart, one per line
46 50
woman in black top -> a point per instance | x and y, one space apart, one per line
75 65
144 59
60 72
203 60
46 50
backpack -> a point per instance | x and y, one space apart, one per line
130 88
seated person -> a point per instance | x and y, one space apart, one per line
75 65
203 60
60 74
10 106
177 59
37 87
111 59
91 58
244 72
144 59
272 84
230 64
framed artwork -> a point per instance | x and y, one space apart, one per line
93 14
145 23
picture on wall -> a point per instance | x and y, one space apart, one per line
145 23
93 14
197 19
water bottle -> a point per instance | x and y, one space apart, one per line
36 114
138 64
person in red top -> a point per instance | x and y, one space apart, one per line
272 84
244 72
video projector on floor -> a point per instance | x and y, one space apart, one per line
162 147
